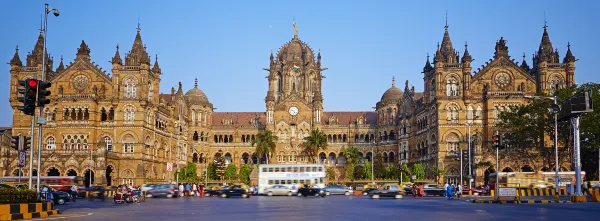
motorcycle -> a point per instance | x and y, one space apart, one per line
120 198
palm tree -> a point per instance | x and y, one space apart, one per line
351 154
313 143
265 144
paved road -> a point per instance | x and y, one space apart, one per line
328 208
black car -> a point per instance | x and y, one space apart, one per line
234 191
213 190
311 191
61 197
96 192
394 191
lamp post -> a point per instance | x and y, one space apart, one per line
47 11
468 124
555 110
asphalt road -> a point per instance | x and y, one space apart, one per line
328 208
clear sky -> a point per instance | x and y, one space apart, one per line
225 43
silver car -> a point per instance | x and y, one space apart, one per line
279 190
338 190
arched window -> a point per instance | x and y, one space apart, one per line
452 85
452 113
129 113
452 142
128 144
50 143
108 143
130 88
470 113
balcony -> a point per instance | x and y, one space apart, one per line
75 122
77 96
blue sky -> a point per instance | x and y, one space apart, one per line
363 43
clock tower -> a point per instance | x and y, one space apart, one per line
294 102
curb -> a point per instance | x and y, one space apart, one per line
18 216
519 201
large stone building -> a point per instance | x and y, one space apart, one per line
121 127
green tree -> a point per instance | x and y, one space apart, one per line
405 173
351 154
245 172
212 171
435 173
589 133
391 171
417 170
379 166
265 143
187 174
367 170
314 143
220 167
330 174
231 172
359 172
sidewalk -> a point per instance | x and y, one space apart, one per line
523 199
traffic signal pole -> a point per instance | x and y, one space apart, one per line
31 153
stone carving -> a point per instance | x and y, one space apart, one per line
60 90
81 82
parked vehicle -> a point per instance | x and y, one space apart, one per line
6 186
394 191
96 192
311 191
433 189
338 190
61 197
279 190
162 190
369 188
146 187
234 191
213 190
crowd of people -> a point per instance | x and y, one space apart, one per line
453 190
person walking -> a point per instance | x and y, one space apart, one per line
449 192
74 192
187 189
459 191
180 188
194 190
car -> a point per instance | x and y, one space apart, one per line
279 190
338 190
61 197
541 185
408 190
162 190
96 191
369 188
311 191
234 191
390 190
477 191
146 187
433 189
213 190
6 186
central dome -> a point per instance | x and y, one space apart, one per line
195 96
393 94
296 51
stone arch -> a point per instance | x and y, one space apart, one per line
322 157
195 157
129 136
507 169
331 158
245 158
228 158
369 156
53 171
527 168
392 157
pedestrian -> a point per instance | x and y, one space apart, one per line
449 192
414 190
74 192
421 190
194 190
459 191
180 188
187 189
446 185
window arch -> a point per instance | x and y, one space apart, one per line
452 112
50 143
130 88
128 143
108 143
452 85
452 142
129 113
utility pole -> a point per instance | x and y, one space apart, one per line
497 170
577 155
469 146
461 165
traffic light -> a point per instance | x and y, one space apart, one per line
29 94
497 141
26 143
16 142
43 92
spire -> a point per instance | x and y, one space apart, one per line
546 51
427 67
83 49
393 81
16 60
196 83
466 56
180 89
319 57
117 58
156 68
61 66
138 54
524 65
438 55
446 48
35 57
569 56
501 48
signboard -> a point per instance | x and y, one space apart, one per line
169 167
502 191
414 177
22 157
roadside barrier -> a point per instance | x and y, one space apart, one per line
27 211
539 192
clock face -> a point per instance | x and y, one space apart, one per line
502 79
293 111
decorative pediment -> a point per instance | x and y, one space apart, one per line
84 65
501 63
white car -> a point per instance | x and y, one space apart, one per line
279 190
146 187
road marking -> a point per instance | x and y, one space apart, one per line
479 211
67 216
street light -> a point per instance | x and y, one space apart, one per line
555 109
47 11
468 124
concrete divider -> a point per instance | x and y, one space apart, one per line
26 210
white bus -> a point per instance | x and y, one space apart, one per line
290 175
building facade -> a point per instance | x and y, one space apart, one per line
121 128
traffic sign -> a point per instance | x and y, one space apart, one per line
169 167
22 157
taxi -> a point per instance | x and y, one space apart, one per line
368 188
388 190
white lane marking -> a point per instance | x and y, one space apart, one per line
66 216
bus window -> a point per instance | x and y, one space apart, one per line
264 169
320 169
271 169
295 181
314 169
276 169
283 169
289 181
295 169
301 169
320 180
301 181
289 169
270 182
308 169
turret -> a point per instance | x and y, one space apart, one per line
16 60
427 68
61 66
524 65
570 60
466 69
156 68
116 60
83 51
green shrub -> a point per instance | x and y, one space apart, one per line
9 196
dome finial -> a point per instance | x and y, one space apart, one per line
295 28
196 83
393 81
